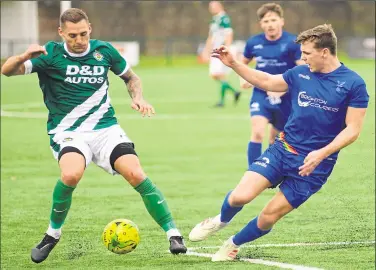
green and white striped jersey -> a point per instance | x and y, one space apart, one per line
75 86
220 25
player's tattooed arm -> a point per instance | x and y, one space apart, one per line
134 87
133 83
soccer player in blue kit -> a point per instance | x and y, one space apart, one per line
329 103
275 52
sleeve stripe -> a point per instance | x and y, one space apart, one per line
28 67
125 69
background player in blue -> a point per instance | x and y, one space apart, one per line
329 103
275 52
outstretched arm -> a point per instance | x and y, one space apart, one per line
243 83
277 96
134 87
15 64
260 79
354 123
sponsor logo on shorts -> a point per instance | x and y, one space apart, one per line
263 164
274 100
255 107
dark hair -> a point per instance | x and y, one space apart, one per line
73 15
265 8
322 36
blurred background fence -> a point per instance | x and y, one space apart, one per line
175 28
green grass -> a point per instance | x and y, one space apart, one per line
195 154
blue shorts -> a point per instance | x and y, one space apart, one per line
281 168
276 113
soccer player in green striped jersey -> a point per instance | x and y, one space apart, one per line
81 122
220 33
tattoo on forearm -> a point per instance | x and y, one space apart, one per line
133 83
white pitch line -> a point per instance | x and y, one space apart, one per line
260 261
295 245
16 106
28 115
135 116
190 252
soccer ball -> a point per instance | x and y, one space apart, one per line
121 236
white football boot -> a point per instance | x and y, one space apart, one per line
206 228
227 252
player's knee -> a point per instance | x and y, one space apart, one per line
71 177
135 176
124 160
237 199
72 165
267 220
257 135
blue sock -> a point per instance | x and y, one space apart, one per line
254 151
249 233
227 211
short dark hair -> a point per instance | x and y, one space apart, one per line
73 15
265 8
322 36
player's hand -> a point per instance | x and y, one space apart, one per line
143 107
223 53
34 51
312 160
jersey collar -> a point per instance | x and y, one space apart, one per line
77 54
332 72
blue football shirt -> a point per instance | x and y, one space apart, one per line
319 105
274 57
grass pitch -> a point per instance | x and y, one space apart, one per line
195 154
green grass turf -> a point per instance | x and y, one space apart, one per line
195 154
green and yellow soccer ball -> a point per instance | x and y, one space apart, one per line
121 236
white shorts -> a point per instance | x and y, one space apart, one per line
96 145
216 67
